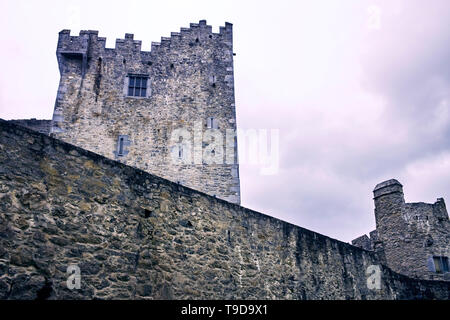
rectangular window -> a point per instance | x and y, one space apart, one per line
120 146
441 264
137 86
211 123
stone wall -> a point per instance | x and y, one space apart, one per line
409 235
135 235
42 126
363 242
190 79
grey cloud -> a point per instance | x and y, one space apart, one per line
354 107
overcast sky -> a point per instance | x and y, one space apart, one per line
358 89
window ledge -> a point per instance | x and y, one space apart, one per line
131 97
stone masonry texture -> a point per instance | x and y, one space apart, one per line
42 126
408 235
138 236
190 79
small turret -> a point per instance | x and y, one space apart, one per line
389 201
387 187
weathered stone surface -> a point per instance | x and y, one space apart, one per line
42 126
128 248
190 80
408 235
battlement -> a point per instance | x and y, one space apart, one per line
189 70
88 42
420 212
76 44
408 235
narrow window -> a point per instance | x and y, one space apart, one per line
137 86
212 80
441 264
121 146
211 123
180 152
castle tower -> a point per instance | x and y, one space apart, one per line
170 111
415 237
389 206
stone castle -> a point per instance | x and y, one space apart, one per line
108 187
123 103
411 238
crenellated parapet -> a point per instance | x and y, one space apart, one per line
125 98
88 43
